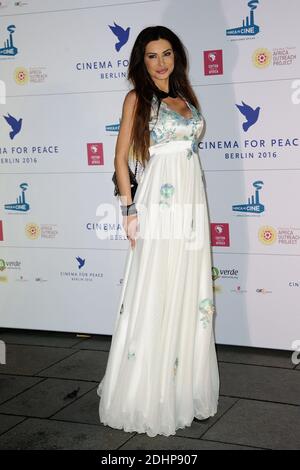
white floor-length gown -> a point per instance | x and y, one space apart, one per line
162 367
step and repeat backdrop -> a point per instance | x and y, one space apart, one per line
63 67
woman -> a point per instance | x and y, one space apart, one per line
162 368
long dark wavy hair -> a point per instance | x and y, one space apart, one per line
145 87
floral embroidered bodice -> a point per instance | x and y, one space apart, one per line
166 125
170 125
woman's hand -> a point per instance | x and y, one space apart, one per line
130 223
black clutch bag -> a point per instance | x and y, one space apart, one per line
133 182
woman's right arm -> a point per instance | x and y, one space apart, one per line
123 146
121 163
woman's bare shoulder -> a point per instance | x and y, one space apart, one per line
130 100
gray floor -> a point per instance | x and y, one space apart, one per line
48 398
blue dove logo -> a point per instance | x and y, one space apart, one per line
122 35
81 262
14 124
250 114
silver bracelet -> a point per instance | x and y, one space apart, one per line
129 210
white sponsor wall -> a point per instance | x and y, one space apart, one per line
63 81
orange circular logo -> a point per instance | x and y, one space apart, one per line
261 58
267 235
21 76
32 231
